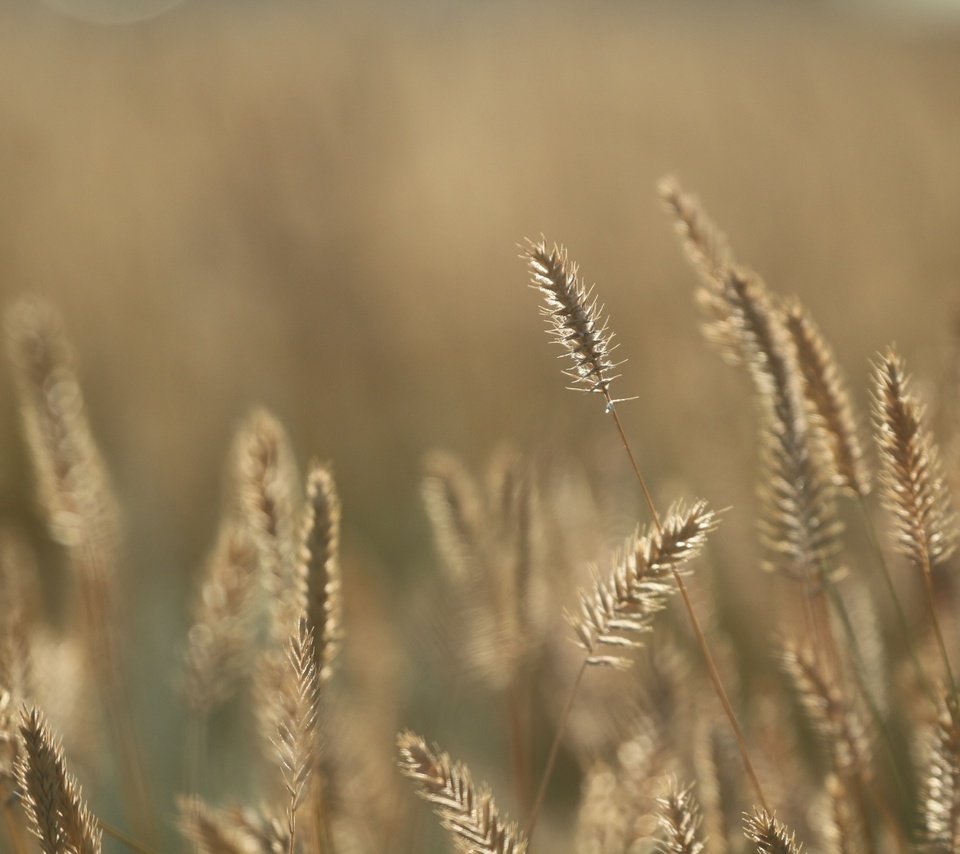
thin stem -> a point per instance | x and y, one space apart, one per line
123 838
694 622
901 616
519 739
554 749
857 669
932 603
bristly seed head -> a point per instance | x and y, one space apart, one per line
574 317
911 473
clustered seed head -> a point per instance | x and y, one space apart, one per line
911 474
574 318
467 812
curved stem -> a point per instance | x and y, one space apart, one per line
901 616
554 750
694 622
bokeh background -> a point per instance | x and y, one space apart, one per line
317 208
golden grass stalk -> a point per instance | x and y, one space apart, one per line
72 480
619 609
831 716
297 721
320 567
912 483
829 401
467 812
574 317
229 831
769 835
940 798
209 830
267 484
218 643
705 244
799 525
52 798
911 476
81 511
680 819
842 833
574 321
456 513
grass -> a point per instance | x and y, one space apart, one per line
268 625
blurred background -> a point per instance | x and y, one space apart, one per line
317 208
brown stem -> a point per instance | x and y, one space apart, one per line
932 603
694 622
554 750
517 714
123 838
892 590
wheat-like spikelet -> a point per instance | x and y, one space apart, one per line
320 566
468 813
297 717
230 831
52 798
769 835
799 524
619 609
680 819
73 485
72 480
267 486
841 828
601 825
940 801
829 401
911 477
831 716
456 513
210 830
705 244
218 644
574 317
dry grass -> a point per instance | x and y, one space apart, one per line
187 180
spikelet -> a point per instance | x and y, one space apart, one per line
320 566
297 718
73 485
52 799
679 816
619 609
799 524
940 802
230 831
911 475
829 713
456 512
210 830
706 246
218 643
267 486
769 835
468 813
842 832
829 401
574 318
71 477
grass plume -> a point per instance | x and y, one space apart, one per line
467 812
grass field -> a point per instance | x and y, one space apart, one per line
320 211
